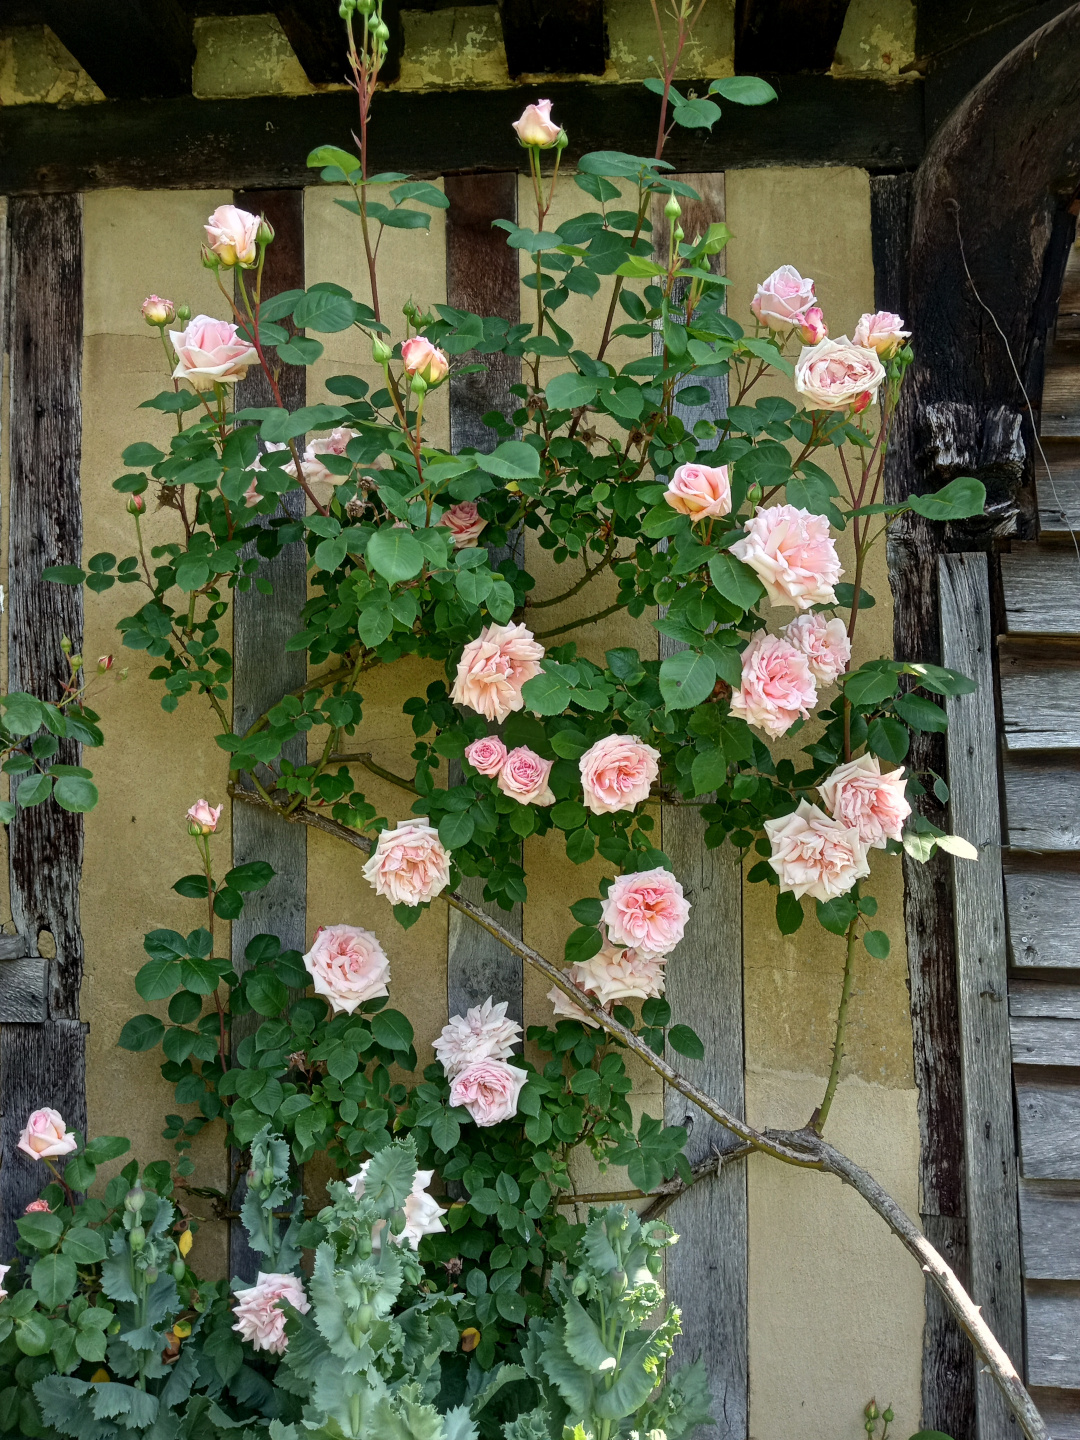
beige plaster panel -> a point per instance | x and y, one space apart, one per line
878 39
36 69
242 55
459 47
836 1303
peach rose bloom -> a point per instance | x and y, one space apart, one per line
38 1207
646 911
45 1136
700 491
423 1213
824 642
231 234
815 855
620 974
617 773
487 755
409 865
883 331
524 777
258 1319
482 1033
781 298
535 126
205 816
812 327
347 966
420 357
838 375
489 1090
315 472
156 311
777 686
792 554
465 523
494 667
859 795
211 350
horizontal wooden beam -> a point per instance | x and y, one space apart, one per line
182 143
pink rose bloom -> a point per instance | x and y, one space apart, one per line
423 1213
489 1090
37 1207
524 777
781 299
156 311
824 642
859 795
700 491
882 331
483 1034
347 966
535 126
211 350
561 1003
815 855
494 667
231 235
409 865
792 554
465 523
777 686
205 816
646 911
251 494
315 472
422 358
487 755
617 773
618 974
45 1136
258 1319
812 327
837 375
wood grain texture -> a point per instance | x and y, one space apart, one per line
1041 588
1040 702
482 276
1058 488
1052 1316
24 990
1043 919
1042 803
264 671
1044 999
989 1142
1045 1040
1050 1229
1060 1409
1048 1112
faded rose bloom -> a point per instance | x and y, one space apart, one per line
487 755
409 865
815 855
883 331
421 357
777 685
494 667
701 491
45 1136
3 1276
838 375
204 816
347 966
465 523
812 327
535 126
232 234
37 1207
793 555
483 1034
824 642
646 911
781 298
211 350
423 1213
156 311
859 795
489 1090
258 1318
563 1006
617 773
524 777
315 472
622 974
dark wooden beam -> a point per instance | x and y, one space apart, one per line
787 36
180 144
316 32
129 48
554 37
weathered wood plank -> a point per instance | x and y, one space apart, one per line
989 1143
1060 1409
1041 590
1040 702
1060 409
1042 804
24 990
1044 918
1052 1315
1058 488
1050 1229
1048 1111
264 671
45 528
1044 1040
1044 1000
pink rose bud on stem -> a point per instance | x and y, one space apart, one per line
46 1136
233 235
812 327
105 662
535 126
203 818
883 331
136 505
425 361
38 1207
159 312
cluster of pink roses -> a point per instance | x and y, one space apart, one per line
781 673
519 773
612 974
474 1051
617 772
347 966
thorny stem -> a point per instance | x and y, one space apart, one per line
576 624
601 564
364 758
821 1114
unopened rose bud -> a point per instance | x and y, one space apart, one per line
535 126
156 311
678 234
380 351
888 1416
135 505
862 401
871 1410
563 140
66 645
672 209
209 259
265 232
754 494
424 361
812 327
183 313
419 386
105 662
76 662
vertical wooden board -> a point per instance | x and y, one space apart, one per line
264 671
482 276
989 1140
